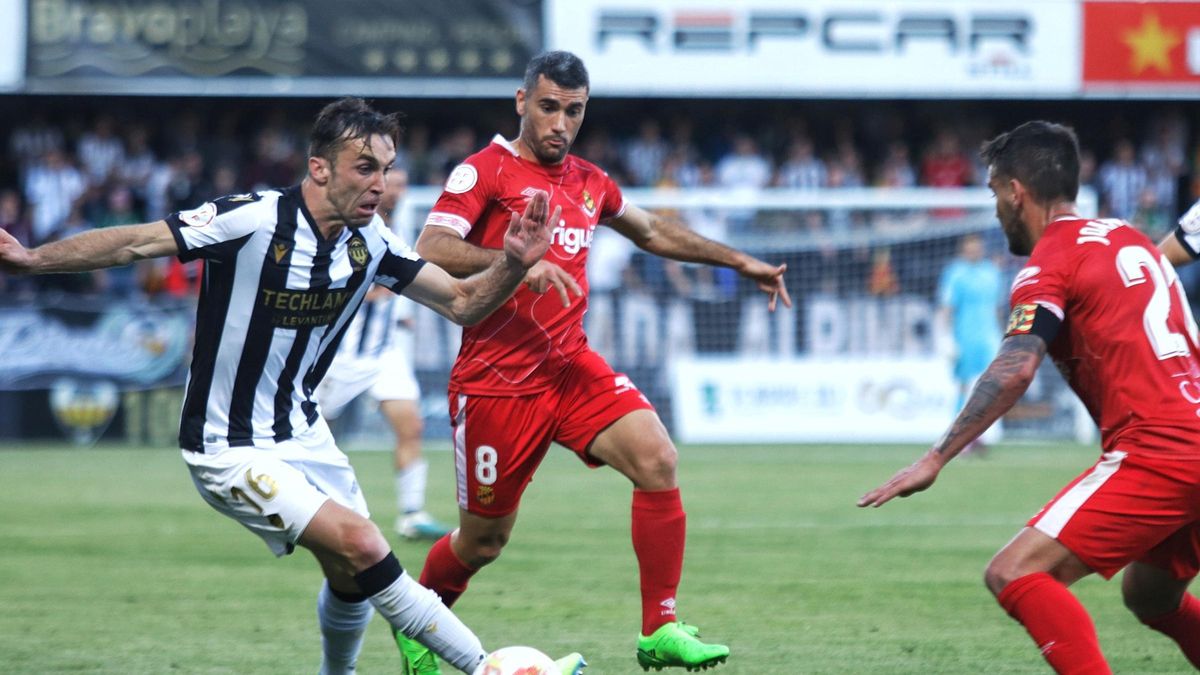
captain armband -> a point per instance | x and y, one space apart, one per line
1033 319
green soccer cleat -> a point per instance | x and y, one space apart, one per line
676 645
415 658
571 664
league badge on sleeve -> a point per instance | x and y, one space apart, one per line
462 179
200 216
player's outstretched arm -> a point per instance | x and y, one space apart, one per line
91 250
997 390
469 301
672 239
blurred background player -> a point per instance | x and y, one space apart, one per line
289 268
526 376
970 293
1105 304
376 357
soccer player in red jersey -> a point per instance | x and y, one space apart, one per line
525 376
1109 309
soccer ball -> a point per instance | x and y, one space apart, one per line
517 661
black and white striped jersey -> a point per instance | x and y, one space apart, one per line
275 302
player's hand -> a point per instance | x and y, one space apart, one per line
769 279
910 480
14 258
528 235
545 275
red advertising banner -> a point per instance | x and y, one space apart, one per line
1141 43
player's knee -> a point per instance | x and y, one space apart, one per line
1147 602
999 574
362 544
483 549
655 466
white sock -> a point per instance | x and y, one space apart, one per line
418 613
410 486
342 627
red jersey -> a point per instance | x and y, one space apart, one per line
1127 344
532 337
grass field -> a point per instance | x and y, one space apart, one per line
110 563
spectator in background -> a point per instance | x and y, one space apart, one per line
646 154
970 296
744 168
802 169
139 164
896 170
100 151
1121 181
52 187
13 221
118 209
882 280
945 164
30 142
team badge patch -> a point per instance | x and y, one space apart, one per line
484 494
462 179
589 204
1020 322
359 255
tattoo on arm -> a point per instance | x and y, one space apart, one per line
997 390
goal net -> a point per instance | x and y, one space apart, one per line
860 357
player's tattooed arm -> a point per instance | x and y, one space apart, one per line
91 250
996 391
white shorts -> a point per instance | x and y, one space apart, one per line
388 377
275 492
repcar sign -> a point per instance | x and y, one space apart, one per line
849 47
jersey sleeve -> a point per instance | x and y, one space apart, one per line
1039 294
216 229
614 200
465 196
1188 232
400 263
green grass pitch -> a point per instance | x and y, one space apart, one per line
111 563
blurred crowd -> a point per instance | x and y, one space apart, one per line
67 170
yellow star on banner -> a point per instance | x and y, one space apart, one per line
1151 45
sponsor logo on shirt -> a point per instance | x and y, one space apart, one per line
572 239
297 309
281 251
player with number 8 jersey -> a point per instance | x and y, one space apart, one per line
1107 306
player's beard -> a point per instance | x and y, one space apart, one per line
1019 243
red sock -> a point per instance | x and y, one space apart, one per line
1182 626
444 573
659 531
1058 624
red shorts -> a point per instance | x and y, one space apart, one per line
1128 508
499 441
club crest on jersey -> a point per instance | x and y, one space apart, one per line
359 255
484 494
589 204
1020 322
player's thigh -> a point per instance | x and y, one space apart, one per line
396 380
1151 589
268 496
606 420
1121 509
343 383
1030 552
498 444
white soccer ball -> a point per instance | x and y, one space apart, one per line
517 661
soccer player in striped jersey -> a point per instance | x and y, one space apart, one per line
1107 306
376 357
285 271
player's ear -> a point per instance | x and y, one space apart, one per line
521 101
318 168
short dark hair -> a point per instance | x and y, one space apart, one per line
560 67
1044 156
346 119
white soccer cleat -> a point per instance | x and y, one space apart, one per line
420 525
